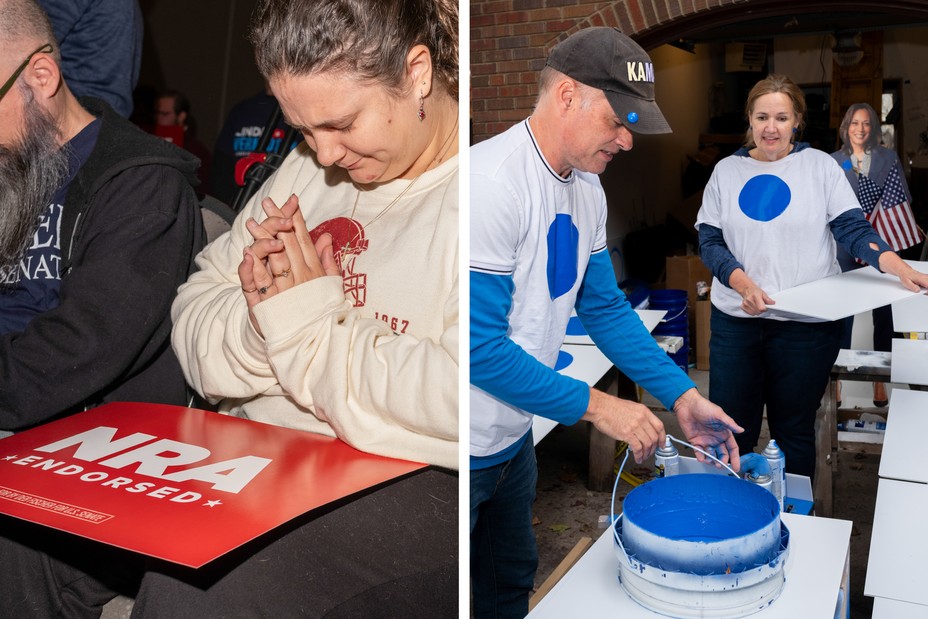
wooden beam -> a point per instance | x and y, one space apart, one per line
568 562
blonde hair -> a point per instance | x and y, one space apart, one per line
771 84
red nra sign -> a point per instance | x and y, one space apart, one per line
176 483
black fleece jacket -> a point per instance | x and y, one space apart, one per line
130 229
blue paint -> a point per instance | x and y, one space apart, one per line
764 197
563 242
575 327
717 524
700 507
563 360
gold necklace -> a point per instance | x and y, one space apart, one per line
446 145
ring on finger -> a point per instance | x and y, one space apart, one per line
263 289
284 273
249 291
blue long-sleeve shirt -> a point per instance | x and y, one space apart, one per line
503 369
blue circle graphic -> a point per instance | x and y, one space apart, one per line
563 244
563 360
575 327
764 197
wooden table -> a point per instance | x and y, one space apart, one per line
851 365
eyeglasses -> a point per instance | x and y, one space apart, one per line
46 49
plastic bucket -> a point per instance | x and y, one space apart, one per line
675 322
701 546
705 524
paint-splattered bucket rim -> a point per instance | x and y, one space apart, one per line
703 523
692 596
698 582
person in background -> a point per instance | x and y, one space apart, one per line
770 217
538 250
101 47
172 109
99 226
878 179
332 307
240 136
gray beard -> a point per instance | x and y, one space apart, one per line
30 174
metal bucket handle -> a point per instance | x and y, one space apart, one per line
677 315
615 519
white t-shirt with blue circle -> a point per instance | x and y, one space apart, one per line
538 251
774 216
540 228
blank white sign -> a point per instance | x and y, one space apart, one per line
911 315
898 543
910 362
845 294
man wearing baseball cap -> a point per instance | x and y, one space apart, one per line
538 251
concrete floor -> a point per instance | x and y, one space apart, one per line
566 511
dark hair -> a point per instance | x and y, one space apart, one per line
181 102
875 137
366 38
774 83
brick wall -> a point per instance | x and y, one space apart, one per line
510 39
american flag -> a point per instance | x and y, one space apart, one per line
868 194
889 211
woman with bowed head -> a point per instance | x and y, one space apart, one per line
332 307
770 218
876 175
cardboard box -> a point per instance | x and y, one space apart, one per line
683 272
703 331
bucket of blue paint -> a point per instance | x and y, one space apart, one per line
675 322
701 546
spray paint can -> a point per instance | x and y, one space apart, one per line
666 460
777 461
860 425
763 480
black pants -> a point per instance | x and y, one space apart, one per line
393 552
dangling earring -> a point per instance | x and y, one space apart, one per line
421 105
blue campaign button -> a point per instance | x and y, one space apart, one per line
632 117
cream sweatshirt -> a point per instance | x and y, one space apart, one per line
371 357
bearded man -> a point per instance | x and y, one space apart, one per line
99 224
98 227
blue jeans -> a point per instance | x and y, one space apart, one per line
503 556
783 365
